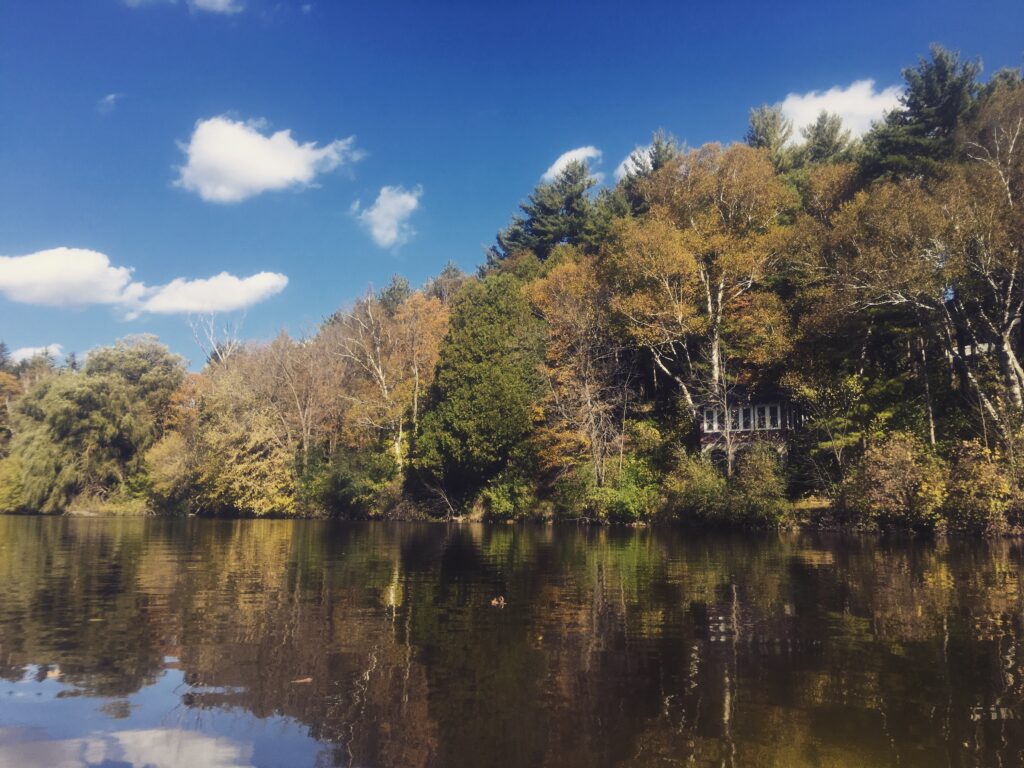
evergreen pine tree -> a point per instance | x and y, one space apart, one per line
915 139
555 213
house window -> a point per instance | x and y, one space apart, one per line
734 420
709 420
746 419
773 416
762 422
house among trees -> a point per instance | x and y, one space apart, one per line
770 417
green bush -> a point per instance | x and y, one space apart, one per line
757 490
170 477
572 492
695 489
352 484
897 482
508 497
632 494
978 492
12 488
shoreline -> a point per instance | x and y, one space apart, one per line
808 526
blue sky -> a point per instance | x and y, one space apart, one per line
304 150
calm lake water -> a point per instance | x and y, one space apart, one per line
264 643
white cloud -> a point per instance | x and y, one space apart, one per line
63 277
216 6
387 219
583 154
77 277
27 353
212 6
155 747
628 163
859 104
229 161
108 102
221 293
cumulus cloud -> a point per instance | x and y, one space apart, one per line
629 162
228 160
583 154
78 277
63 277
27 353
387 220
220 293
107 103
858 104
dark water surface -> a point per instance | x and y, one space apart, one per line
263 643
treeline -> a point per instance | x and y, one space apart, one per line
877 283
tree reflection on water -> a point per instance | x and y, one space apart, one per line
292 643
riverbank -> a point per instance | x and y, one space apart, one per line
807 516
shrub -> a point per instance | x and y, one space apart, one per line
169 473
353 484
12 488
121 503
508 497
632 495
694 488
897 482
572 492
757 491
978 491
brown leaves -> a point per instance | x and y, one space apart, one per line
732 191
885 246
655 279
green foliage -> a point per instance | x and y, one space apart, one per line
10 389
771 131
86 433
353 484
632 495
560 211
978 491
825 140
571 492
485 390
170 473
757 489
875 283
145 365
394 294
508 497
916 138
695 489
447 283
243 468
898 482
642 164
12 487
